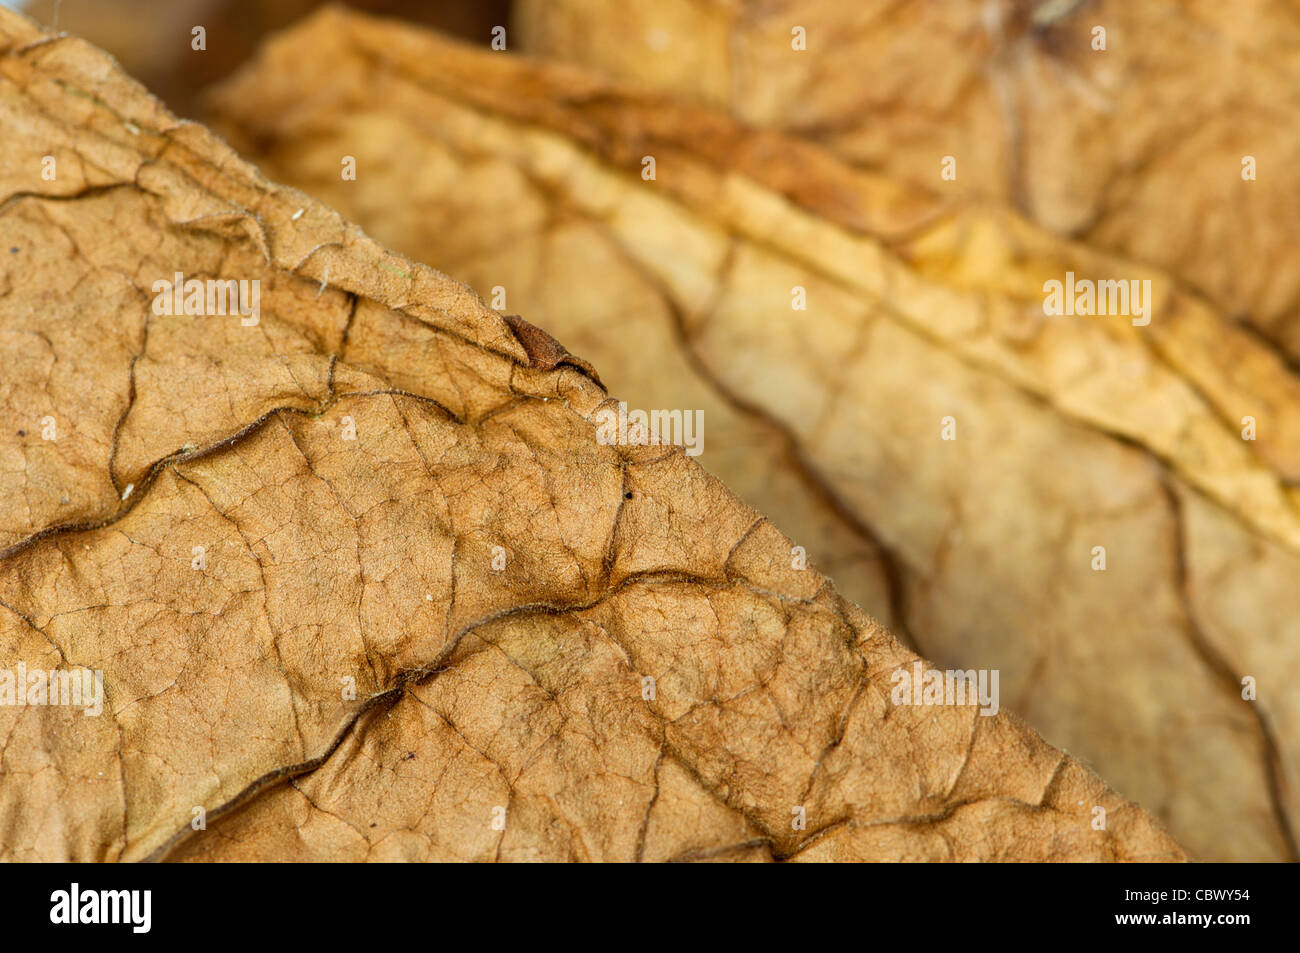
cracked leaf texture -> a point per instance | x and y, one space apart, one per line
372 559
1072 433
1137 149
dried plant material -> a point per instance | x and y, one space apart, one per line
1163 131
178 47
357 580
1068 500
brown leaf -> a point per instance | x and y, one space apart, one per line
156 42
1137 148
1073 433
233 518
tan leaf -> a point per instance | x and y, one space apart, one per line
1138 148
381 481
178 47
1072 433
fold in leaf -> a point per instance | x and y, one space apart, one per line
361 582
178 47
1098 530
1164 132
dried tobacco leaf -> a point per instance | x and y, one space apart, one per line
1171 145
1071 434
178 47
360 581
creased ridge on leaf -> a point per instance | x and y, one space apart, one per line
362 583
1074 433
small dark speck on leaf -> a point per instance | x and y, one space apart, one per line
14 250
22 433
627 496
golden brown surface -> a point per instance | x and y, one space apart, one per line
1072 433
1136 148
155 43
328 558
